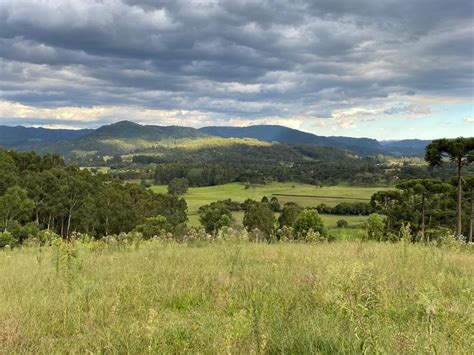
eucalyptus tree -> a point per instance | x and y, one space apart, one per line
459 151
259 216
15 205
288 214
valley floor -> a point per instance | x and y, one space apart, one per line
303 194
238 297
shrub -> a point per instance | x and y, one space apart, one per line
405 233
215 216
153 226
342 223
289 213
286 234
449 240
256 235
196 234
313 237
229 233
306 221
46 236
375 227
6 238
275 204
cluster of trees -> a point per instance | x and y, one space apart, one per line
431 205
316 173
45 192
260 216
258 164
247 163
347 208
178 186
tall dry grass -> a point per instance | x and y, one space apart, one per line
237 297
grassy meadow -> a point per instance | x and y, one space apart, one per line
237 297
303 194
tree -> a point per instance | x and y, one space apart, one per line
386 202
289 213
460 151
425 189
15 205
8 172
309 220
342 223
215 216
375 227
259 216
469 184
275 204
178 186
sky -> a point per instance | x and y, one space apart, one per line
385 69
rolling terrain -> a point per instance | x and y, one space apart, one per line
126 137
361 146
19 137
303 194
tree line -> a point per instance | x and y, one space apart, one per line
432 205
42 192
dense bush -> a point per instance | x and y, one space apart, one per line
215 216
259 217
375 227
308 222
342 223
346 208
289 213
7 239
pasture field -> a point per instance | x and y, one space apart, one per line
303 194
237 297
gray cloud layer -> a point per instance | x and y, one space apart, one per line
247 59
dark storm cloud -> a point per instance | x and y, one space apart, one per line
240 58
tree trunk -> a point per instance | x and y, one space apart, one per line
422 227
459 203
471 226
68 225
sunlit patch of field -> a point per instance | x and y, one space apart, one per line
303 194
210 142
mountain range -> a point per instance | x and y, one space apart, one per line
126 137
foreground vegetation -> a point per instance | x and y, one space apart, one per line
236 296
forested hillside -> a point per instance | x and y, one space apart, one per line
285 135
23 137
42 192
127 137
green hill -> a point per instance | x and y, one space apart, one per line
286 135
120 138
